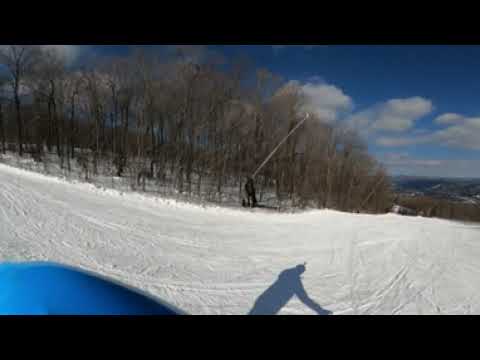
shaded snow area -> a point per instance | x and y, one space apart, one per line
106 178
212 260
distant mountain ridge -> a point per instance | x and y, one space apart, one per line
457 189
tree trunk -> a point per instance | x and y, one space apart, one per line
49 126
2 130
58 134
19 121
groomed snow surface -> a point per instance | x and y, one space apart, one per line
212 260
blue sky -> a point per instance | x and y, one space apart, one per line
395 85
417 106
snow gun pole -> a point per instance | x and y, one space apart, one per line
280 144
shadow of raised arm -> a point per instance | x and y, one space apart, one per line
308 301
288 284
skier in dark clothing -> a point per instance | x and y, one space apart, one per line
250 191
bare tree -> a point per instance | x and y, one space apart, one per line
20 61
73 85
3 101
192 126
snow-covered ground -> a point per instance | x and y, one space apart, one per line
106 178
212 260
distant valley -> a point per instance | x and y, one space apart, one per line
453 189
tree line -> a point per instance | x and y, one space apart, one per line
441 208
202 127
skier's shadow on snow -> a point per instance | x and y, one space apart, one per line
288 284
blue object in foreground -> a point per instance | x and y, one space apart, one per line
52 289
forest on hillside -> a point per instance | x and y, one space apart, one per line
203 127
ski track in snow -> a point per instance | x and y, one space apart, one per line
213 260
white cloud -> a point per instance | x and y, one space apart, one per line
463 135
404 159
420 131
68 52
396 115
448 118
394 158
395 142
325 100
403 163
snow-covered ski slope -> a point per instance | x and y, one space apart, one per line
224 261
